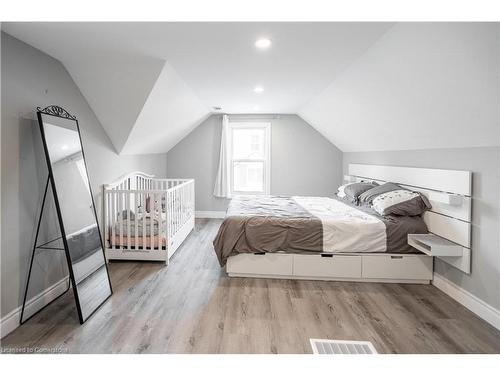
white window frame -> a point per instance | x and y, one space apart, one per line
266 160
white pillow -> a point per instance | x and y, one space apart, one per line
383 201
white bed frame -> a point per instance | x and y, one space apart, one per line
449 192
130 193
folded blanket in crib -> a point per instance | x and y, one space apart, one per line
143 223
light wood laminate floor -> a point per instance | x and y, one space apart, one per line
191 306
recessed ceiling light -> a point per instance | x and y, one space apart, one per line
263 43
258 89
64 147
256 108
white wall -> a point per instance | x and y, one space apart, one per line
303 162
420 86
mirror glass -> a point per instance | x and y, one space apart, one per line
73 192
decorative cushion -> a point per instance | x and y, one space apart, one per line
400 202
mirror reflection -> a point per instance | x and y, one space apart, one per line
77 211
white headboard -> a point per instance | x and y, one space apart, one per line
449 192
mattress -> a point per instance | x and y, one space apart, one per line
141 242
256 224
148 228
143 224
147 237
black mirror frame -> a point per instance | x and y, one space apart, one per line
60 112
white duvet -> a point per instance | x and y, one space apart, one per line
345 229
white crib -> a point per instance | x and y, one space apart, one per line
146 218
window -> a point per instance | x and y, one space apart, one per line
250 157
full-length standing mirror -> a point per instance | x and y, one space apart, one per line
75 209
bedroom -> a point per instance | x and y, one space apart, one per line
250 187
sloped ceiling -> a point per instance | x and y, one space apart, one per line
116 90
364 86
420 86
146 106
171 111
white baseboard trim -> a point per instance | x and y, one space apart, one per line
11 321
467 299
210 214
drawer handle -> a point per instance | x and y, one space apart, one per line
259 253
327 255
396 257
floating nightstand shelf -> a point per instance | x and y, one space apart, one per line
449 252
433 245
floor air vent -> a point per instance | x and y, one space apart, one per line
342 347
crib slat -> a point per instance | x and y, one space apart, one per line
165 197
136 218
183 203
180 205
184 200
145 212
178 209
110 217
158 207
160 220
152 215
113 219
106 217
120 212
127 200
169 218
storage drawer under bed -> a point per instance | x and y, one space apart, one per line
327 265
397 266
261 264
361 267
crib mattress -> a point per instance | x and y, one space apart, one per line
139 241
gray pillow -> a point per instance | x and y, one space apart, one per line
369 195
353 191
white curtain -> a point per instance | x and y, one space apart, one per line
222 184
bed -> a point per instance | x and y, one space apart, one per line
329 238
310 225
